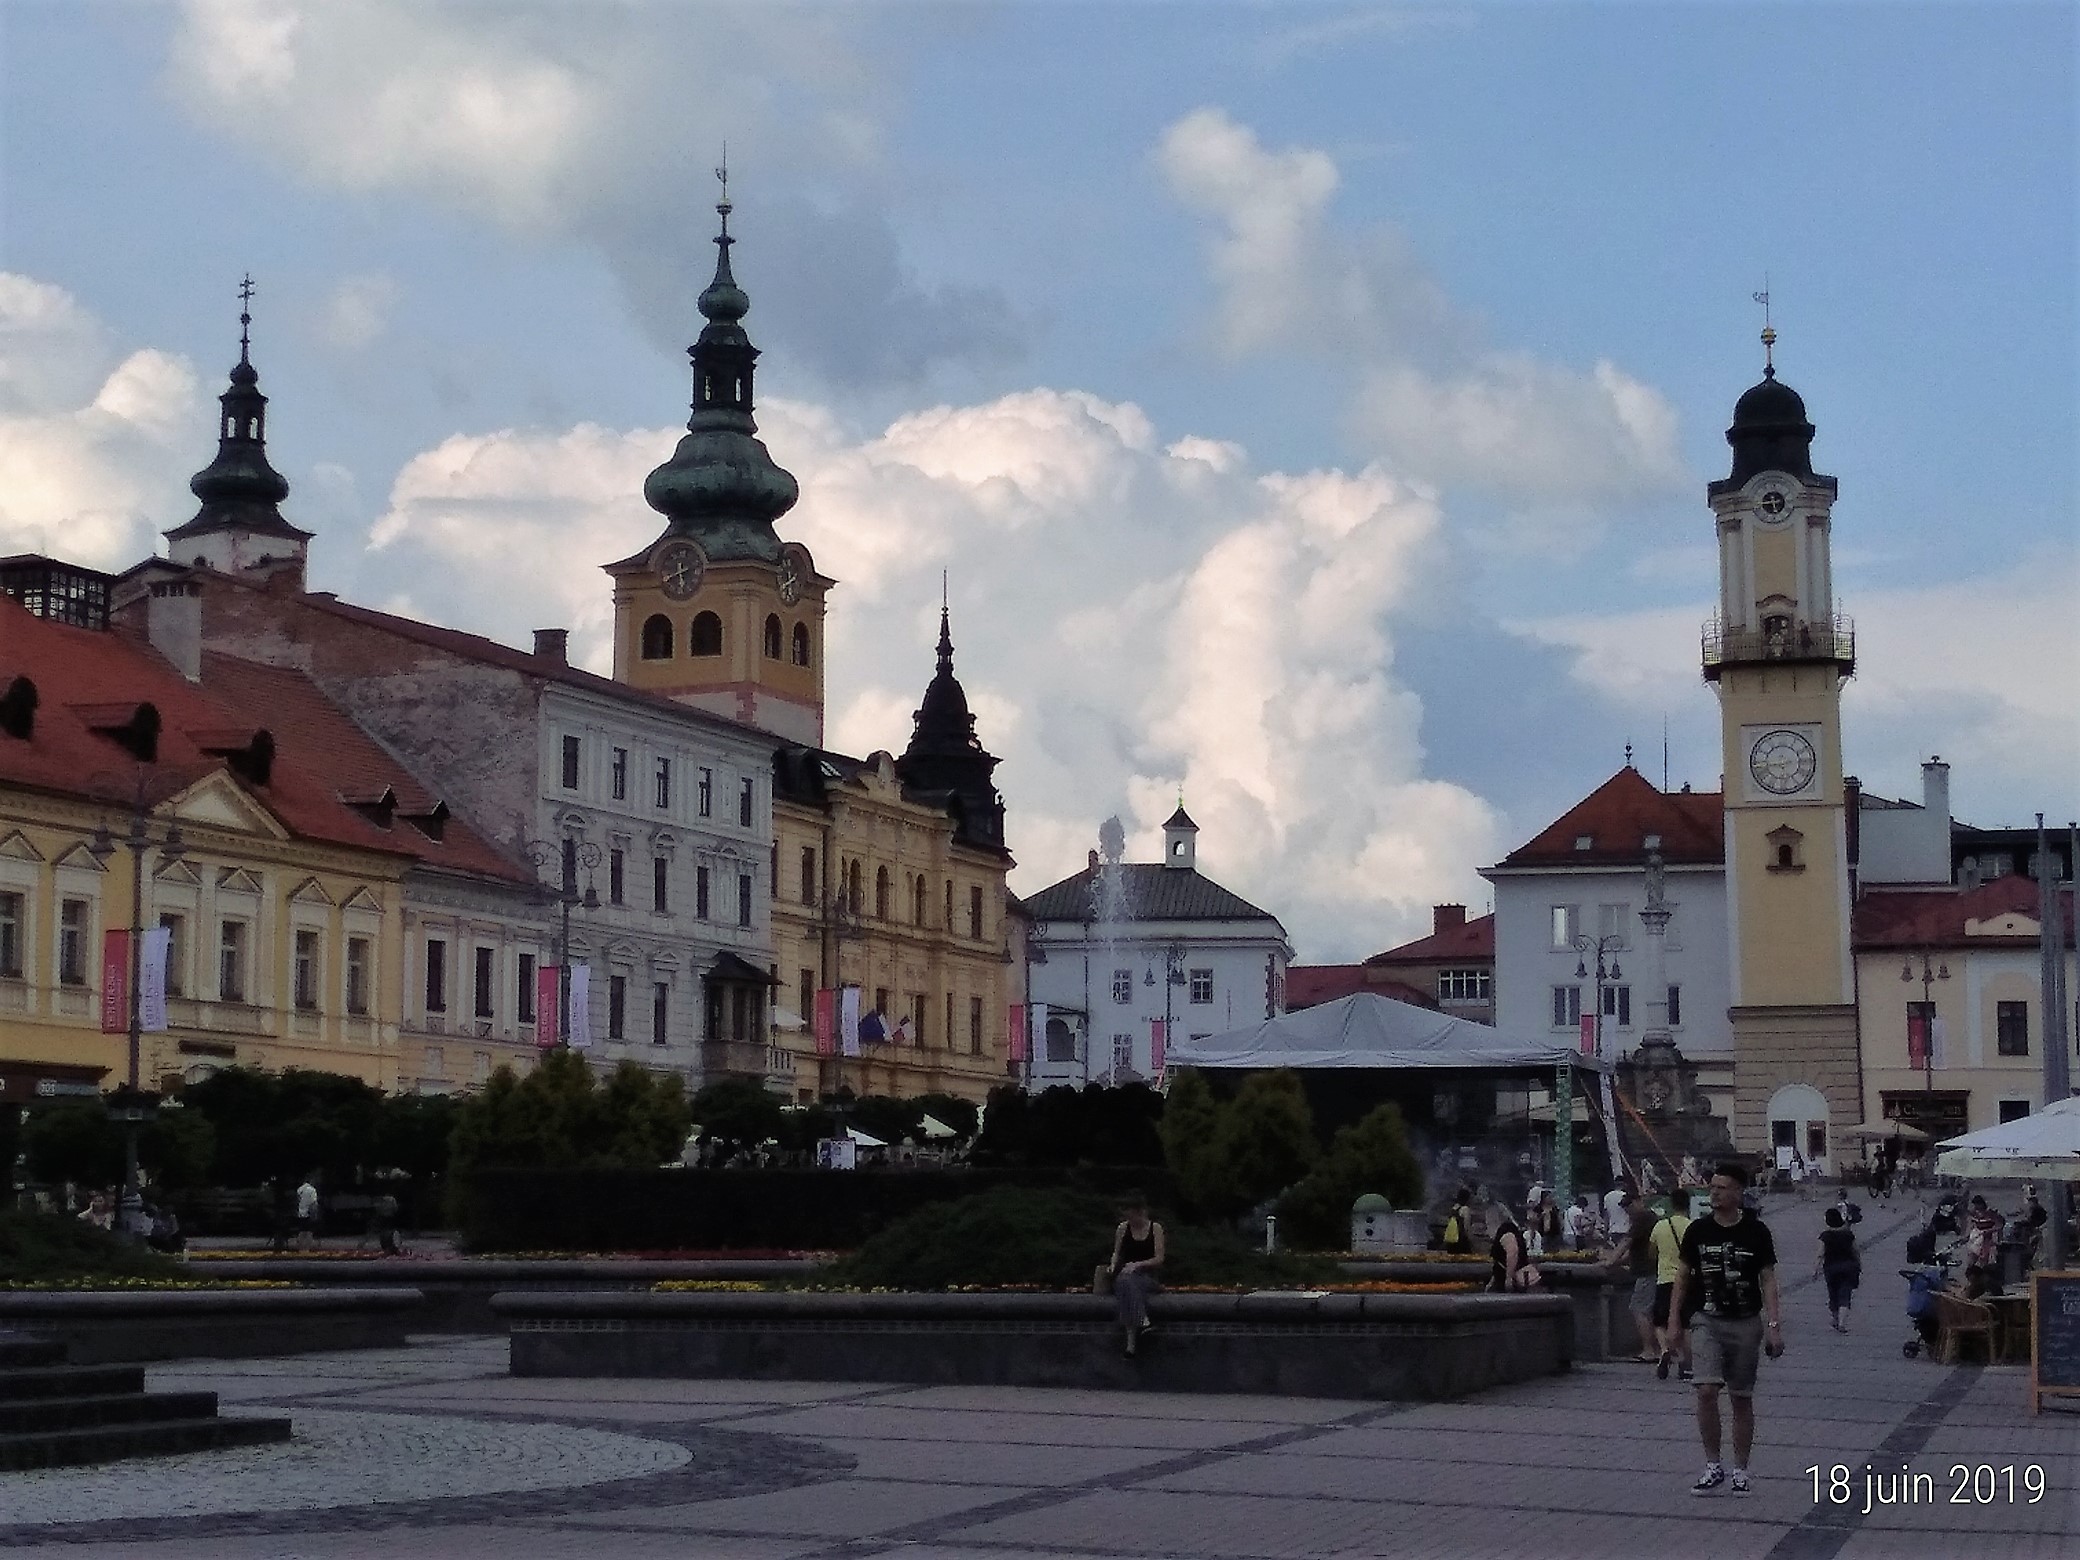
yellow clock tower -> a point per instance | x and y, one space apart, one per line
718 612
1778 654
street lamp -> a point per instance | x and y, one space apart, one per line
131 1104
571 854
1929 976
845 922
1609 943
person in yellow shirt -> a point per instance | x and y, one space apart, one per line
1667 1241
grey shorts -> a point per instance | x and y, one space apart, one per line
1726 1352
1643 1296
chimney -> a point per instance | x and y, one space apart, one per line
1094 861
1935 789
1447 918
552 645
173 623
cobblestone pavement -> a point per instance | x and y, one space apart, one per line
435 1451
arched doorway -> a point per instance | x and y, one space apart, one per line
1797 1118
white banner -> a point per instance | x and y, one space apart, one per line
848 1020
579 1035
151 980
1036 1032
1936 1048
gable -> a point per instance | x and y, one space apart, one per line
362 899
16 847
80 859
237 880
182 871
216 801
2009 923
311 892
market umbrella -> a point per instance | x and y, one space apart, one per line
1905 1131
933 1127
2040 1147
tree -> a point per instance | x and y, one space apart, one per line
1370 1156
1266 1139
412 1133
559 1117
74 1140
1189 1132
737 1111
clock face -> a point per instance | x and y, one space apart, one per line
790 579
1772 505
681 567
1782 762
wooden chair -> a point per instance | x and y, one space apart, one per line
1958 1319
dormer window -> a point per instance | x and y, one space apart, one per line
1585 842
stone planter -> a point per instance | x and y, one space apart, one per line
114 1326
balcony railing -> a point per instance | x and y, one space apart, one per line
1833 642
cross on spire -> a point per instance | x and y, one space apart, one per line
723 207
245 316
1769 334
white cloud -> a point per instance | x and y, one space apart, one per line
1127 618
1432 397
357 311
93 443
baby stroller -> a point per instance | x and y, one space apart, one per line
1923 1283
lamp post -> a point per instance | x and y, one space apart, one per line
130 1104
1931 972
571 854
846 923
1607 970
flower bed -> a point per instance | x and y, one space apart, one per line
96 1283
755 1254
1381 1286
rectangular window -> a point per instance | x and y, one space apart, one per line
487 975
700 893
306 970
523 989
1567 1007
918 1007
618 773
743 899
570 865
1617 1004
176 927
744 799
805 997
72 942
617 1007
358 949
1202 985
704 793
974 1026
664 782
1567 925
808 874
660 1011
2011 1028
975 913
1122 1053
617 885
1475 985
2013 1110
660 885
1675 1006
231 962
570 763
1123 985
1612 921
436 975
11 936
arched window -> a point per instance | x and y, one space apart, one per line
801 644
852 888
704 635
917 898
881 893
657 638
772 637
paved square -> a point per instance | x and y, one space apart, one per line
434 1451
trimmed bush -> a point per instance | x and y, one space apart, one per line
39 1247
1372 1156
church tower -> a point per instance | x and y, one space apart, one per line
946 760
1778 655
718 612
239 529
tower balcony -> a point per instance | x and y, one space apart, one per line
1780 641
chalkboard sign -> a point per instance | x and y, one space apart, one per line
2054 1337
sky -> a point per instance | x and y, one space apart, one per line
1311 405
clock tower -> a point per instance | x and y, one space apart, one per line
1778 654
718 612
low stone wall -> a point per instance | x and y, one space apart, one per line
456 1293
1301 1345
1601 1299
125 1326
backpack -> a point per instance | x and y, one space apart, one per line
1451 1232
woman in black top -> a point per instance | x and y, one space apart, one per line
1137 1259
1508 1268
1841 1265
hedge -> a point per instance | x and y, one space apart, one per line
720 1210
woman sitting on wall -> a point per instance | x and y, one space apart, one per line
1137 1259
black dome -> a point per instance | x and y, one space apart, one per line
1770 431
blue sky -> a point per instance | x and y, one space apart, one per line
1458 298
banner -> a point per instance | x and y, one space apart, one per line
1016 1029
848 1020
151 980
1937 1034
548 1015
579 1036
1588 1034
1158 1040
873 1028
115 983
1036 1031
1917 1038
900 1035
825 1022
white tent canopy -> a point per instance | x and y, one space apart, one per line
2041 1147
1371 1031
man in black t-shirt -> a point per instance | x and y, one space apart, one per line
1729 1261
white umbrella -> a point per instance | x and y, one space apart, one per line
1905 1131
2040 1147
864 1139
933 1127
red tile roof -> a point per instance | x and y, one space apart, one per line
1470 940
1617 817
1935 917
1310 985
77 669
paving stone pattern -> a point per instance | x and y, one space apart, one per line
435 1451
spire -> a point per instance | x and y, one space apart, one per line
240 490
945 755
1770 431
721 485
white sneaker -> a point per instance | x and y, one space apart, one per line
1740 1481
1712 1477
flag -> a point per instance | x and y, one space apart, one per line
151 980
115 983
848 1020
1917 1038
873 1028
1588 1034
900 1035
580 1027
826 1022
1937 1034
1016 1029
1158 1042
548 1014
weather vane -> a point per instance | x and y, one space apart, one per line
723 206
245 315
1769 334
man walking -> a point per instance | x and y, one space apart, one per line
1731 1260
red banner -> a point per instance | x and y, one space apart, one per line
1917 1038
826 1022
1158 1043
115 983
548 1006
1588 1034
1016 1029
